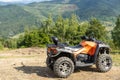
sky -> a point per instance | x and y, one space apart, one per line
22 0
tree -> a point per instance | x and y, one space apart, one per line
21 41
47 24
66 29
73 31
33 38
96 29
116 32
1 45
60 29
11 43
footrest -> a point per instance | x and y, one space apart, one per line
82 64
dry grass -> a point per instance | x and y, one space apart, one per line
116 59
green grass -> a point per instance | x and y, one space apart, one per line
115 51
116 59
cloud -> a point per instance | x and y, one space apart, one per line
23 0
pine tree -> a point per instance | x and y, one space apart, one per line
72 30
96 29
1 45
47 24
59 27
116 33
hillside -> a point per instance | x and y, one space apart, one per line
15 18
103 9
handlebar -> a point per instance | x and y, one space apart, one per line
91 39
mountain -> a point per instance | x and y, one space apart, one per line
3 3
6 2
106 10
14 17
102 9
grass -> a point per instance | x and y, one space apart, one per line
115 51
116 59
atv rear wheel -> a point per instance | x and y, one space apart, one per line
63 67
104 63
49 64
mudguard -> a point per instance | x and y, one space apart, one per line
101 47
61 50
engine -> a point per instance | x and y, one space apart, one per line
82 57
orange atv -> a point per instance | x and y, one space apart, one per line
63 59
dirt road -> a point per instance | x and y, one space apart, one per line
29 64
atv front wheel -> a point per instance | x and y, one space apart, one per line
63 67
104 63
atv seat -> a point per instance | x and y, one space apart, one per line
74 48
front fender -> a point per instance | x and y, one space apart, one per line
65 53
61 51
104 46
101 49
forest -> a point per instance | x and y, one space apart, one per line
68 30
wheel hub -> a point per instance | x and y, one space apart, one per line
106 63
64 67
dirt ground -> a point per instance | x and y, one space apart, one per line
29 64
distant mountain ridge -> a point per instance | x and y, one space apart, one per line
14 17
95 8
3 3
7 2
